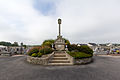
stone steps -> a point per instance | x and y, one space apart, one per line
59 59
59 55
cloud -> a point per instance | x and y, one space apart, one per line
32 21
21 22
91 20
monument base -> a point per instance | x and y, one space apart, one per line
59 43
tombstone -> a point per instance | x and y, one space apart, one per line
59 42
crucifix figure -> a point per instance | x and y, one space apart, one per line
59 22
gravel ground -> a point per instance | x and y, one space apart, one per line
16 68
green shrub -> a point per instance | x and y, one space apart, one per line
39 54
72 47
46 50
33 50
39 51
48 43
85 49
79 55
34 55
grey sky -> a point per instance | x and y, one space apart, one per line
83 21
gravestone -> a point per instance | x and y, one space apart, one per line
59 42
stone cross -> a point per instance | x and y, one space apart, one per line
59 22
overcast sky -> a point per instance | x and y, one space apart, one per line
83 21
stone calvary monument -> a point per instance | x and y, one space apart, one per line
59 56
59 42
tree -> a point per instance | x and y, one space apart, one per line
5 43
15 44
25 46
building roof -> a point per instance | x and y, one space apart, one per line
92 44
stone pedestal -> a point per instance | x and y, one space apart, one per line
59 43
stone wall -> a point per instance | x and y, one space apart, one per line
36 60
41 60
83 61
72 60
45 60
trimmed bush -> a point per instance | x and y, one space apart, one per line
39 51
33 50
85 49
72 47
34 55
39 54
46 50
79 55
48 43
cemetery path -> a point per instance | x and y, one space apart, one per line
103 68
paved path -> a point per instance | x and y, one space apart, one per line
16 68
